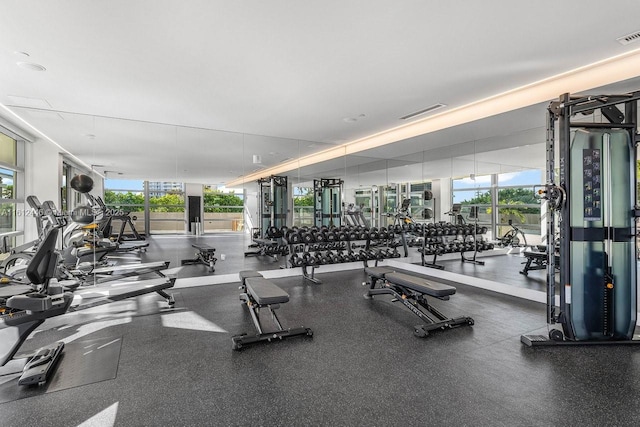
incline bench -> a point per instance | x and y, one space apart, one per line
412 291
257 293
205 255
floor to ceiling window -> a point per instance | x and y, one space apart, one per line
126 196
517 203
159 206
499 201
223 210
166 207
303 206
11 161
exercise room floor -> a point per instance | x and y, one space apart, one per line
363 366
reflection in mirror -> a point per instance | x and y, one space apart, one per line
319 193
366 178
502 190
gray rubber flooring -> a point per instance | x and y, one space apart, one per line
231 245
503 268
363 366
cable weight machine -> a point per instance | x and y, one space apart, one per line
327 205
273 204
591 229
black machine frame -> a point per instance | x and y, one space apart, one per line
560 233
273 211
320 217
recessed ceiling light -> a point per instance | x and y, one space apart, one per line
90 135
31 66
21 53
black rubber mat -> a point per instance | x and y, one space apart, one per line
82 363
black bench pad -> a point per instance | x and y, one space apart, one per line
245 274
265 292
418 284
377 272
536 255
203 247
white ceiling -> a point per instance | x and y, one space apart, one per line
192 90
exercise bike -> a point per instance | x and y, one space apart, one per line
513 237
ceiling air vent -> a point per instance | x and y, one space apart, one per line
423 111
629 38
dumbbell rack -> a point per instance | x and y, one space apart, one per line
444 237
313 247
271 246
473 238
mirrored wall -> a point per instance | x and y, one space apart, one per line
489 168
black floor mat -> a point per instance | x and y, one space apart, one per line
82 363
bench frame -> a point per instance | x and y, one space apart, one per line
205 255
537 261
418 304
238 341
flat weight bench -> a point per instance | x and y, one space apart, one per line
412 291
205 255
258 293
537 260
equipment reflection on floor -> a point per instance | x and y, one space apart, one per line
177 366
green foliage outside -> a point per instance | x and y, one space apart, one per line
637 183
306 200
126 201
508 196
217 201
214 201
170 202
6 209
7 191
130 201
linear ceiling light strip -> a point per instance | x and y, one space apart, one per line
38 131
600 73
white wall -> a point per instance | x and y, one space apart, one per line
98 185
251 207
442 193
43 166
